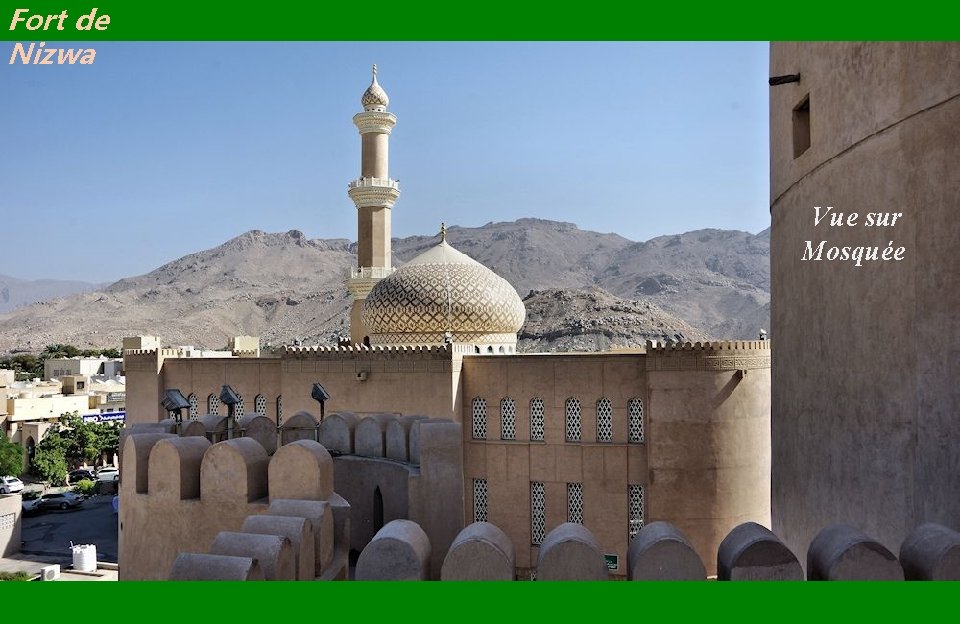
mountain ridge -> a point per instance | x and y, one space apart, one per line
285 287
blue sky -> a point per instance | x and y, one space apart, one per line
162 149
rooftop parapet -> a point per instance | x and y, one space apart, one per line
720 345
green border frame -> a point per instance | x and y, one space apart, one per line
299 20
406 20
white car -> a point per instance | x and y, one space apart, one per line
108 473
10 485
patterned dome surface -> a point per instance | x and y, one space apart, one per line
374 95
443 290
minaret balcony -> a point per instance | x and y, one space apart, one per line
365 182
368 272
374 192
380 122
361 280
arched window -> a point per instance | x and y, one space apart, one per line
194 406
213 404
479 500
260 405
279 410
536 419
508 419
479 413
604 420
635 410
572 418
238 410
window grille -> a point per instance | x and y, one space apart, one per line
279 410
508 419
635 408
479 418
238 410
635 510
479 500
194 406
213 404
260 405
575 502
572 411
537 512
604 421
536 419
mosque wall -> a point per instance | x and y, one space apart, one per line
414 380
676 435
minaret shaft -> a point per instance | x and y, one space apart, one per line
373 237
374 155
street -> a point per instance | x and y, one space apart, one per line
50 533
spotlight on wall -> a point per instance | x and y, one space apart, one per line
174 402
319 394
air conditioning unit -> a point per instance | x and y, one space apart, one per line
50 572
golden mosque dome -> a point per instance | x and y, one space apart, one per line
444 295
374 97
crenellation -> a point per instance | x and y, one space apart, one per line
400 551
234 471
296 529
300 426
137 448
301 470
199 567
174 467
260 428
320 514
274 553
337 432
361 351
371 435
657 347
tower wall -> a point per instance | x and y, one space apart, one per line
709 439
866 405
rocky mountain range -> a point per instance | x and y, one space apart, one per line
15 293
583 290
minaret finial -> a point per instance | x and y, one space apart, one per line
443 232
374 71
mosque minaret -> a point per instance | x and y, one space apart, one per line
374 194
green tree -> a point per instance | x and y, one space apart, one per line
72 442
11 458
25 365
49 461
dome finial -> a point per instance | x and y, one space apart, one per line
443 231
374 72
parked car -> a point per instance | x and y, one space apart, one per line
10 485
80 474
61 500
30 504
108 473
